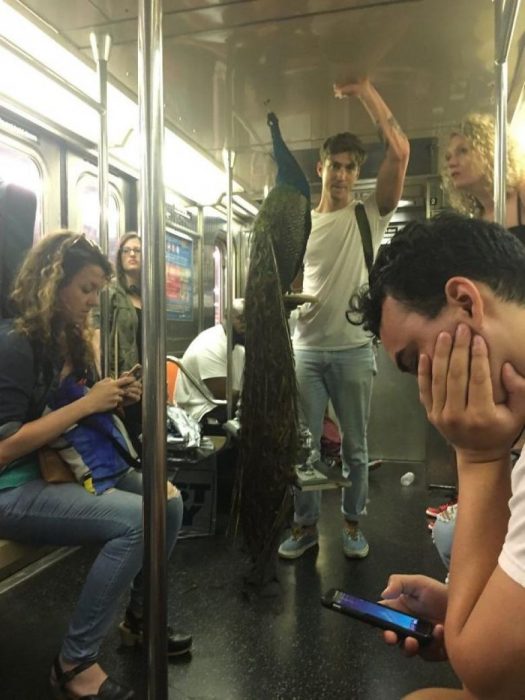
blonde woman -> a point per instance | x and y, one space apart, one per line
468 173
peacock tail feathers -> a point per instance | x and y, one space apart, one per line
269 437
269 433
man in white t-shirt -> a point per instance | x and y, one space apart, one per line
206 361
447 299
334 359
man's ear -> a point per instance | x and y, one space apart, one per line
464 295
319 168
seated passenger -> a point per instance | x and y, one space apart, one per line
205 359
447 299
48 342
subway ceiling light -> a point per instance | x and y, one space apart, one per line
187 171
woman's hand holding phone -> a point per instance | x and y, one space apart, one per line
133 390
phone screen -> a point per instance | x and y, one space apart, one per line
399 619
136 371
379 615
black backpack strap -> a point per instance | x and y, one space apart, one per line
366 235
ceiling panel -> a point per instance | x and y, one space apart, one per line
432 60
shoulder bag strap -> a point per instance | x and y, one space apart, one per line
366 235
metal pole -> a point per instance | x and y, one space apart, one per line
500 145
230 158
101 47
505 13
153 234
200 265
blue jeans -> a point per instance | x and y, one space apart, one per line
345 377
443 535
66 515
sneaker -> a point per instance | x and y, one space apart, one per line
434 511
132 634
449 514
301 539
355 545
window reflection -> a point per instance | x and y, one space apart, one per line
19 168
89 213
218 288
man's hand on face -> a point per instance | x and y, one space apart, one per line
456 391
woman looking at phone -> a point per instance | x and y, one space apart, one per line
46 345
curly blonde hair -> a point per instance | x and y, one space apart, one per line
49 267
478 130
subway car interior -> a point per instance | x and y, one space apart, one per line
225 65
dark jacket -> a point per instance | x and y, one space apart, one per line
123 324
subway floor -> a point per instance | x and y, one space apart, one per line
282 648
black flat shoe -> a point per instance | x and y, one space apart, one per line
132 634
109 690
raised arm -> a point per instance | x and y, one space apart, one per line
391 175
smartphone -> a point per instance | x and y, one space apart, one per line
386 618
136 371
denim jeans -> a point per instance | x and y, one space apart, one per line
443 534
66 515
344 377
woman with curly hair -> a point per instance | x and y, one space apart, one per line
468 173
468 182
47 344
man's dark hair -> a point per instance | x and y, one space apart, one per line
343 143
415 267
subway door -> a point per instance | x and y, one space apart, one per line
17 225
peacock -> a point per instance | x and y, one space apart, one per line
269 423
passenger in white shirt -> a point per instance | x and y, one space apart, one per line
334 359
206 360
447 299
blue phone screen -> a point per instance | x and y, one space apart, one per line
366 607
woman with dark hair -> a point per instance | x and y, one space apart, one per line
125 304
46 346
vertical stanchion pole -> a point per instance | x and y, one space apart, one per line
230 276
229 160
153 234
505 13
101 47
200 264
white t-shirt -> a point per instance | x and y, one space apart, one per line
512 557
334 268
205 358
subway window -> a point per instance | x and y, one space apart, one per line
20 168
88 213
218 287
